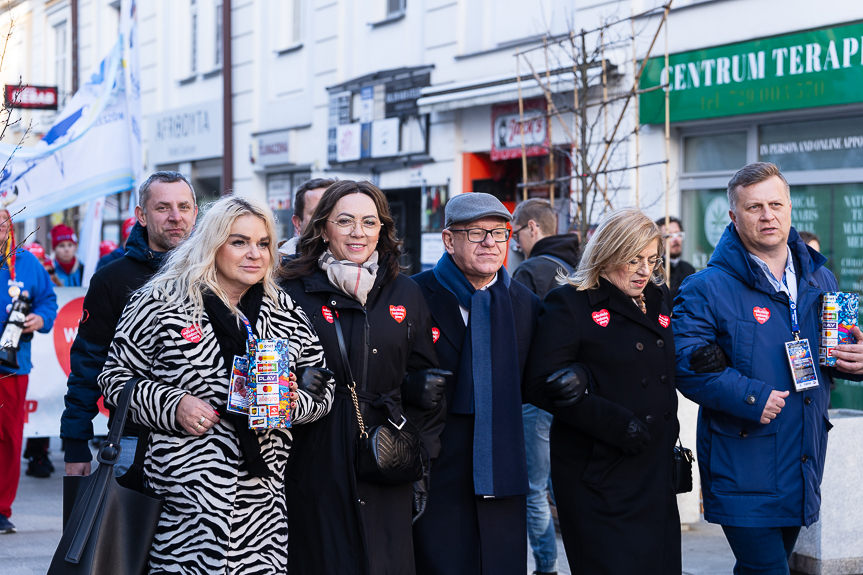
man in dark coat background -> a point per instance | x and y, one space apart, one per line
548 254
166 214
475 520
674 235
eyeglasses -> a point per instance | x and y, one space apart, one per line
518 231
675 236
478 235
652 264
347 225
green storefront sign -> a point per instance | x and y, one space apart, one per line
807 69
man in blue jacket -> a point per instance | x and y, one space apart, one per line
166 214
761 443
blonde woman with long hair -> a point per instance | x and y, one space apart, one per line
223 483
608 327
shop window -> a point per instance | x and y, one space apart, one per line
280 196
715 153
704 215
818 145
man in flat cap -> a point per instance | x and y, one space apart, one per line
482 323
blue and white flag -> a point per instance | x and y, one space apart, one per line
85 155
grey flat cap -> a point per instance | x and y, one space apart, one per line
473 206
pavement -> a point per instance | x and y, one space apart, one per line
37 513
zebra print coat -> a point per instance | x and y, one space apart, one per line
216 518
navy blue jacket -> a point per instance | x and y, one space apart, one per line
104 303
755 475
111 258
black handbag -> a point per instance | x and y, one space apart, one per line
682 470
127 509
385 453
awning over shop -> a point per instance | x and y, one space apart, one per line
446 97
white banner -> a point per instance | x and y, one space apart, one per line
50 355
83 156
132 75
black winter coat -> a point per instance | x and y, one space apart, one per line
538 273
107 296
336 523
618 513
461 534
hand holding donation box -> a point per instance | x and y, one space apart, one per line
261 386
838 319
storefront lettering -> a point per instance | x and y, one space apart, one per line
183 125
812 68
806 146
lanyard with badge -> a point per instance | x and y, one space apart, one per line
799 354
238 396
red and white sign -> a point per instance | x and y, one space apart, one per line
50 356
398 312
664 320
601 317
31 97
506 129
761 314
435 334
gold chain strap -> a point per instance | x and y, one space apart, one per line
352 387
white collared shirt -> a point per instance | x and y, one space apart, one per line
788 282
465 314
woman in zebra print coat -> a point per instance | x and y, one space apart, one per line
223 484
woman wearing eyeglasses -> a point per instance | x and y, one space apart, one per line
609 326
347 275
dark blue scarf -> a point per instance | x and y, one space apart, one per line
488 384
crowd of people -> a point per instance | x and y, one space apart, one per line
558 383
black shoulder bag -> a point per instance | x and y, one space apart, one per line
127 509
384 454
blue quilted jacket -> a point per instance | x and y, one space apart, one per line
755 475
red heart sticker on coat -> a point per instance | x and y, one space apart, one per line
328 315
664 320
435 334
398 312
601 317
761 314
192 333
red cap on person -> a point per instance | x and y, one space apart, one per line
126 230
106 247
62 233
36 250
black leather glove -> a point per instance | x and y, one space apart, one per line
708 359
425 388
565 387
421 492
313 380
636 438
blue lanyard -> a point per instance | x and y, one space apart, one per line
795 325
251 340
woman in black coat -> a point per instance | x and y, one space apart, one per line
611 454
348 269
